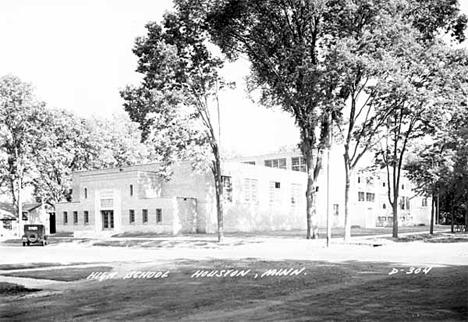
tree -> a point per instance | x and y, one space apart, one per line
308 57
19 127
426 83
70 143
173 103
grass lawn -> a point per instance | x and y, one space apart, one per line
322 291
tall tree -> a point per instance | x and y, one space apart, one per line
19 126
424 86
174 104
70 143
308 57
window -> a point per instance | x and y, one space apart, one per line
361 196
75 217
404 203
250 190
424 202
383 184
158 215
336 210
316 189
275 191
131 190
65 218
295 193
249 162
86 217
145 215
298 164
358 179
86 193
226 182
131 216
106 203
370 196
276 163
384 206
403 187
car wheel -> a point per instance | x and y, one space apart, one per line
24 244
29 243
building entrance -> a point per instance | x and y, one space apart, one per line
107 219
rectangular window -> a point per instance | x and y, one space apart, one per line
65 217
407 203
86 217
275 192
370 196
276 163
75 217
145 215
298 164
358 179
361 196
107 203
336 210
250 190
424 202
227 188
295 193
131 190
86 193
131 216
158 215
249 162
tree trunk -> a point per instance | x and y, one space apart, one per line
452 217
347 219
431 229
20 209
395 218
312 225
219 193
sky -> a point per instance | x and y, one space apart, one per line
78 55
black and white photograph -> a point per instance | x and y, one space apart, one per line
234 160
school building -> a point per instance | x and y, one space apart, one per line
260 193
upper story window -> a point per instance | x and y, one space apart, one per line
86 193
370 196
227 188
131 190
424 202
361 196
298 164
276 163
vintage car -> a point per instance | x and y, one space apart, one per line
34 234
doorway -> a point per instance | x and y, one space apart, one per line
52 226
107 219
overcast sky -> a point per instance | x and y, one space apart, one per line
78 55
